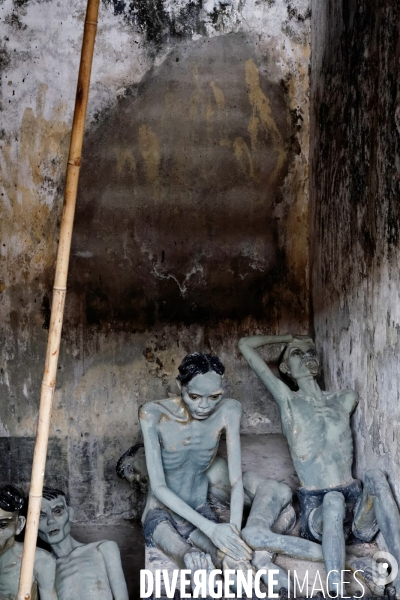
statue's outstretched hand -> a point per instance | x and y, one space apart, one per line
226 537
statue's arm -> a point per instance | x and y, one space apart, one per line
45 574
233 411
116 578
247 346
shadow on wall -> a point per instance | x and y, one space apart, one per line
175 220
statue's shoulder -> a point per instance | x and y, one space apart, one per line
89 548
348 398
15 552
231 404
107 546
158 408
43 556
230 407
349 393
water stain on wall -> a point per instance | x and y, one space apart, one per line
187 235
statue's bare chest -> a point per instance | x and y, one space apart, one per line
194 443
82 575
326 417
10 567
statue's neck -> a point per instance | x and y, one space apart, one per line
65 547
9 544
309 387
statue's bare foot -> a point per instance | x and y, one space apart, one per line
237 565
196 560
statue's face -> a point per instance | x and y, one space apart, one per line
303 360
202 394
135 470
54 523
10 525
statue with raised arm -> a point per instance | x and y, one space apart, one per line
316 425
11 524
83 571
179 462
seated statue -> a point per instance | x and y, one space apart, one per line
317 427
179 463
269 503
83 571
11 524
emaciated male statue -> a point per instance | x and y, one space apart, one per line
269 501
83 571
11 524
317 427
181 437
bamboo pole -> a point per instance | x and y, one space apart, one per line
57 309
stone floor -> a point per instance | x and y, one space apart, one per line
266 454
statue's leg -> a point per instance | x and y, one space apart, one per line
328 519
168 540
378 508
203 542
261 531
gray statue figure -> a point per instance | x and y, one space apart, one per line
11 524
269 502
181 437
317 427
83 571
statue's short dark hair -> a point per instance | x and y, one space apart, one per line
198 363
50 493
131 452
11 498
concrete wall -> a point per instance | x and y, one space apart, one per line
191 227
355 236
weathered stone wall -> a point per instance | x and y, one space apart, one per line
191 226
355 189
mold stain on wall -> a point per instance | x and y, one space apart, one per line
355 192
190 220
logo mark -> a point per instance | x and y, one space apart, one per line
384 568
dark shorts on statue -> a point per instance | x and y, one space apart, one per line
310 500
155 516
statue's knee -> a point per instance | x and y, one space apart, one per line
334 503
252 536
252 481
375 480
285 493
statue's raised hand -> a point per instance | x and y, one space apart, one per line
226 537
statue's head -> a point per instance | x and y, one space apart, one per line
55 515
132 467
300 359
200 381
11 522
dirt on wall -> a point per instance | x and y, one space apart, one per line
176 220
355 190
191 226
